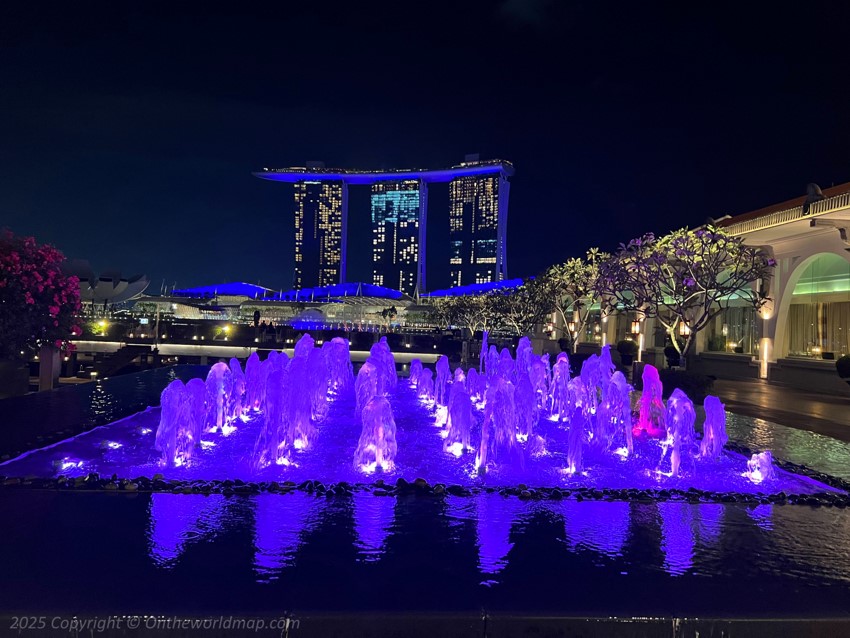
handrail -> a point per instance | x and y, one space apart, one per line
829 205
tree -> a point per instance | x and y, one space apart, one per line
520 308
39 305
687 276
476 312
575 287
389 314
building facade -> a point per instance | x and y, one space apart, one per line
797 336
321 215
478 213
478 217
399 210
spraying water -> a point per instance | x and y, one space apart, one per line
377 446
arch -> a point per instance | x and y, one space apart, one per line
783 308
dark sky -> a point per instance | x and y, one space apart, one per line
129 130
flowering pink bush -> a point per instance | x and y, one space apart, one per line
38 304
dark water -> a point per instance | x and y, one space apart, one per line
164 553
161 553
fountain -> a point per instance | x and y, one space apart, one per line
425 387
298 414
236 405
498 431
377 445
651 419
714 430
255 385
415 372
173 402
526 408
366 385
559 389
441 384
460 417
591 412
219 386
679 418
340 370
760 467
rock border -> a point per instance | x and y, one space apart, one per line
421 488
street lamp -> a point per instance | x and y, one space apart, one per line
684 329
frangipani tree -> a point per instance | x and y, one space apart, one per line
476 312
38 303
575 287
687 276
520 309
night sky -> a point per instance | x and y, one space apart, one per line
129 130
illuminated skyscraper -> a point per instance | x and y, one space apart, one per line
321 212
398 234
478 217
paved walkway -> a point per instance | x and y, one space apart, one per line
825 414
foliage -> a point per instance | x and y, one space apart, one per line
476 312
575 286
519 309
389 314
696 386
516 310
38 303
687 276
842 365
627 347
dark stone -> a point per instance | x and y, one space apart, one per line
380 492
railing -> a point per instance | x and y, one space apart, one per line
829 205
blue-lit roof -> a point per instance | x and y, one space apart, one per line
476 289
234 289
336 291
299 174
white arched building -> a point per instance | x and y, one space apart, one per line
805 326
797 336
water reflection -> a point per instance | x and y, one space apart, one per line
373 518
683 526
763 516
596 525
675 537
176 520
495 515
280 524
799 446
103 402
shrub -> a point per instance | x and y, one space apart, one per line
672 355
842 365
38 302
627 347
696 386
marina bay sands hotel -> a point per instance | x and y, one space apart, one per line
478 213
